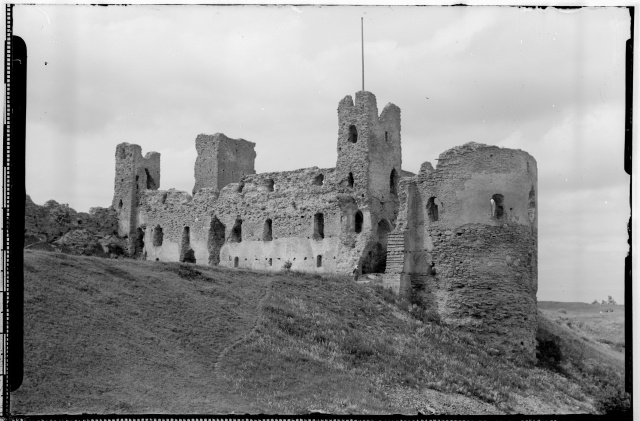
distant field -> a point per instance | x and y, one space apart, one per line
593 323
129 337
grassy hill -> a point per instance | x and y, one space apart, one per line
125 336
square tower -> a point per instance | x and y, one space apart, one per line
222 161
134 173
369 151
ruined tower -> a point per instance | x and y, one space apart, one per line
222 161
134 173
369 152
469 243
368 166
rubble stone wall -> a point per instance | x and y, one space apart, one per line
134 174
471 261
222 161
289 203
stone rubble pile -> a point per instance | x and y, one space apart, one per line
58 227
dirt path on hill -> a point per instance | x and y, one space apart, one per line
219 360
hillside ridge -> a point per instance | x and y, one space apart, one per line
126 336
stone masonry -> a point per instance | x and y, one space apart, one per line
238 156
461 238
466 243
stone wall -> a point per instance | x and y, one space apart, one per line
263 221
368 145
222 161
52 220
134 174
471 261
55 226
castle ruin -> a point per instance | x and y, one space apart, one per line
462 237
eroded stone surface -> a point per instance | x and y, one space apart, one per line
222 161
60 227
473 262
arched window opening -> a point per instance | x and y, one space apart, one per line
393 182
151 183
120 205
236 262
358 223
497 206
350 180
532 204
353 134
186 252
432 209
267 234
318 226
139 242
319 261
319 180
215 240
157 236
236 232
269 184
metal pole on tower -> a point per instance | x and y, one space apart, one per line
362 42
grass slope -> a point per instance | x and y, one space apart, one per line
131 337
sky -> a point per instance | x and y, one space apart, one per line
550 82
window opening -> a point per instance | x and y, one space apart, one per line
186 252
319 180
386 136
236 232
215 240
267 234
151 183
270 184
120 205
350 180
393 181
157 236
359 220
531 209
319 261
236 262
353 134
240 186
318 226
497 206
432 209
270 262
139 243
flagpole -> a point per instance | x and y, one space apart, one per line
362 41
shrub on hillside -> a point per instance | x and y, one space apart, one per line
548 350
614 402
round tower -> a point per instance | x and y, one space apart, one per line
471 235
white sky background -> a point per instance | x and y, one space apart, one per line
546 81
